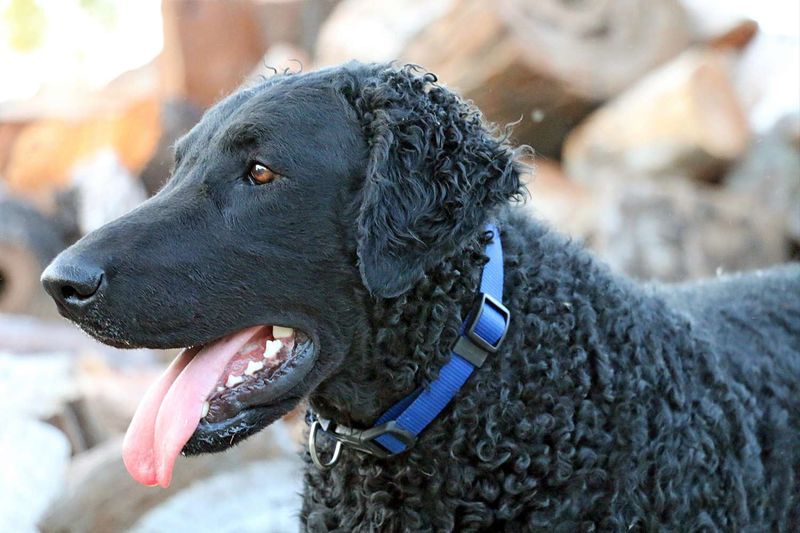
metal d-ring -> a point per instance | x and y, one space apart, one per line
312 448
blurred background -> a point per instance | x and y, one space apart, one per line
667 139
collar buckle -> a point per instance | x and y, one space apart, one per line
362 440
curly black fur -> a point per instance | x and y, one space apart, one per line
606 410
611 407
432 175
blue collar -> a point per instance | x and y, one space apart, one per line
397 429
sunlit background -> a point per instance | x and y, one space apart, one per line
667 139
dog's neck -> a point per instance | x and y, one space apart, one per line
411 336
410 339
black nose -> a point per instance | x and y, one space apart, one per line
73 286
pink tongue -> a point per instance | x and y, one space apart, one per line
172 407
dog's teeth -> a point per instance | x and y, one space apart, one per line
220 389
253 367
281 332
272 348
206 407
233 381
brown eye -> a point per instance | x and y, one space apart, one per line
261 175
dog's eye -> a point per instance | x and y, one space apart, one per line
261 175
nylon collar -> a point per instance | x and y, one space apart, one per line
396 431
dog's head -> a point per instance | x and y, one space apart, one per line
293 205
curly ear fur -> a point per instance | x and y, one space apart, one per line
435 172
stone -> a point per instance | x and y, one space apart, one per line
262 497
101 496
35 459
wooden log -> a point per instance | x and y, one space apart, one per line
8 134
385 27
670 230
567 205
177 118
674 231
492 68
108 396
18 277
718 26
69 422
28 335
129 127
597 47
293 22
104 190
684 119
545 63
85 397
737 36
208 48
28 241
770 173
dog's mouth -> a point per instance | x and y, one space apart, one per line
215 394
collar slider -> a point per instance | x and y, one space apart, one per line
488 324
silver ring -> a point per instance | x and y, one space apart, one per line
312 448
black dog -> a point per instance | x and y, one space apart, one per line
349 205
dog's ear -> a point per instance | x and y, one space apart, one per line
434 173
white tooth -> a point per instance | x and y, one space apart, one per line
253 367
272 348
233 381
281 332
206 406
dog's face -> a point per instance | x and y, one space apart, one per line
290 206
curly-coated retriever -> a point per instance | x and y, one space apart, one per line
323 237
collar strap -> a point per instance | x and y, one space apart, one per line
397 429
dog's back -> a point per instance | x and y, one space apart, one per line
752 322
753 319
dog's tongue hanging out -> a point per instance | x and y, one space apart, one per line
173 406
